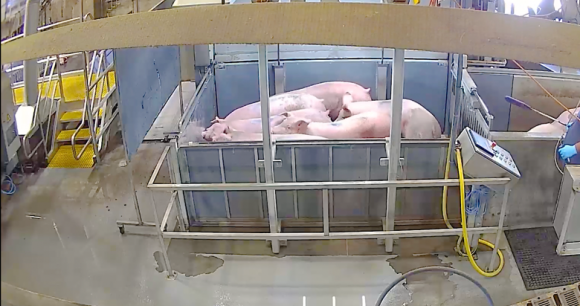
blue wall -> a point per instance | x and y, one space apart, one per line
146 78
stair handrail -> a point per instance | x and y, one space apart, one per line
61 100
35 120
87 114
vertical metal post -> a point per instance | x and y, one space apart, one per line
267 143
325 211
183 220
506 193
223 176
395 139
180 89
330 178
134 192
258 180
166 262
294 192
30 67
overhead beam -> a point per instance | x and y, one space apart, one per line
354 24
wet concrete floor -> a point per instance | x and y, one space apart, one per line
59 238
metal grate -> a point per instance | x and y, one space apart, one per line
565 296
536 258
571 297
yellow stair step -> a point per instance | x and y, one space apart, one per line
63 158
73 87
76 115
83 134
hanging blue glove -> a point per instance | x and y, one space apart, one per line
567 151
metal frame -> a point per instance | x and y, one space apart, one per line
393 146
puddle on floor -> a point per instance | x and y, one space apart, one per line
190 264
430 288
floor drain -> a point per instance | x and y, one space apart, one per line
565 296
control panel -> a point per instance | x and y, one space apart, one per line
484 158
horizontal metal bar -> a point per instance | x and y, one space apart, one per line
519 72
277 163
45 78
43 28
381 141
332 235
316 223
134 223
158 166
384 161
322 185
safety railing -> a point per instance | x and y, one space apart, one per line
44 107
95 104
43 28
174 214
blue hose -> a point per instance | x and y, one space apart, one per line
12 187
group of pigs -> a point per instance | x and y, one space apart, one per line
330 110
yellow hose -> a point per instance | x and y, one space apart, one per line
464 226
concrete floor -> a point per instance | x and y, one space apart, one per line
72 249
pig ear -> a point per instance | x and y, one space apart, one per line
367 89
346 111
301 125
347 98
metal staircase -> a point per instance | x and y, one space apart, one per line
74 112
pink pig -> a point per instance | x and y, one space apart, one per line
365 125
332 94
221 132
278 104
254 125
416 121
557 127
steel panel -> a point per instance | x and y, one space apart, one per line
533 199
311 166
350 163
237 85
301 74
146 78
426 83
239 167
492 88
566 91
203 165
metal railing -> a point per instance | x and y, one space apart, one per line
43 109
95 104
43 28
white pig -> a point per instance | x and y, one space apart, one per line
416 121
365 125
223 132
557 127
332 93
254 125
278 104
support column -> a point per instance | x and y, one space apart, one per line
30 68
267 143
394 151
